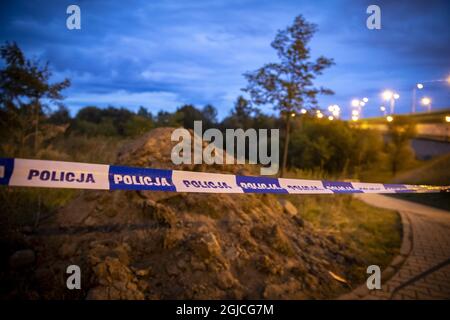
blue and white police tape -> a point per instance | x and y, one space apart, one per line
61 174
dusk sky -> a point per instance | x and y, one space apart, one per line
162 54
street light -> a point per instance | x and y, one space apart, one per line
355 103
447 118
389 118
330 118
319 115
355 118
303 111
365 100
355 113
387 95
426 102
335 110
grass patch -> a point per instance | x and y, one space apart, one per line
372 234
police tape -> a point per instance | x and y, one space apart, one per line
76 175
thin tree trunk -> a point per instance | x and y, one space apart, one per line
286 145
36 128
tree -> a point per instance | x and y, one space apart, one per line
60 116
288 84
210 116
400 152
143 112
23 85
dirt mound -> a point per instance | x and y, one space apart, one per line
158 245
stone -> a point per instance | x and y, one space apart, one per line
288 207
22 259
121 252
207 246
142 272
225 280
89 221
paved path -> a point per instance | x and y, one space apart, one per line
426 243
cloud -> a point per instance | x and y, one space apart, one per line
154 100
165 53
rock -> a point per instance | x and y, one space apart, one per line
288 207
142 272
225 280
121 252
22 259
172 238
117 270
162 214
89 221
197 265
267 265
206 246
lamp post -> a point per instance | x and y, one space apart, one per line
357 105
390 96
420 86
417 86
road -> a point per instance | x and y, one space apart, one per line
426 244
